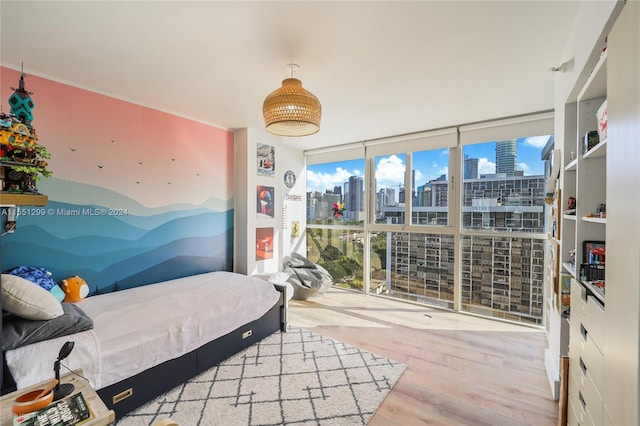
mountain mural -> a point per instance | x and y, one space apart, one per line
113 249
137 195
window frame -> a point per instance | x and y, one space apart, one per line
408 144
454 138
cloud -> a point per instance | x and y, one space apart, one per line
536 141
318 181
525 168
390 172
486 167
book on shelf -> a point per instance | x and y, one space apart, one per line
68 411
592 272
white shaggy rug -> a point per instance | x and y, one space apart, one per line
292 378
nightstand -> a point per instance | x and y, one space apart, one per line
102 415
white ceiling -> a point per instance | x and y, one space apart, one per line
379 68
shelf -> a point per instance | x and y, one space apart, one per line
597 291
569 268
571 166
9 199
597 151
594 219
596 85
569 216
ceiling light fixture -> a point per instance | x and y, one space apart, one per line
292 110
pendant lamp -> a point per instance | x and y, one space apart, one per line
292 110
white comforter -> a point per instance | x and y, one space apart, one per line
138 328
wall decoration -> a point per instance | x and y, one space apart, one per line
556 215
289 179
565 294
264 243
295 229
22 158
285 215
554 265
266 160
293 197
589 253
264 201
137 195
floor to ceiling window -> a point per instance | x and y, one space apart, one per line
413 259
453 218
335 218
503 218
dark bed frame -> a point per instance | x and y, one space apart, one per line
131 393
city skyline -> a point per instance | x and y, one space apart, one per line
428 165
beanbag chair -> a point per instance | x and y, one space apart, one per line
307 278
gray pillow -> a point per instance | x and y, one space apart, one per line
17 331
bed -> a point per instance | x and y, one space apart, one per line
147 340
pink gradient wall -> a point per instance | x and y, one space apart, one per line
168 181
153 157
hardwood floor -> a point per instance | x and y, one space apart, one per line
462 370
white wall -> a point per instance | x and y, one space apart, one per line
290 203
622 313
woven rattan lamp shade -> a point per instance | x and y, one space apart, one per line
291 110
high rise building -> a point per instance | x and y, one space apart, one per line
384 198
506 157
502 275
338 190
424 196
355 194
319 204
470 167
414 197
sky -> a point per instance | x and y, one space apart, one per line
428 165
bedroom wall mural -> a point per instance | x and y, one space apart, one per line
137 195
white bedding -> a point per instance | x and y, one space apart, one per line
138 328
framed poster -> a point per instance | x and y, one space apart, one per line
264 201
266 160
295 229
565 294
557 215
592 257
554 266
264 243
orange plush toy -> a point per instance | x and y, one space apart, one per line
75 289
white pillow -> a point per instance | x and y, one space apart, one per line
28 300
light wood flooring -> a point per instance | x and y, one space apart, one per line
462 370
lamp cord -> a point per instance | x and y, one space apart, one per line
73 372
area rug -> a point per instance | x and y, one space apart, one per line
293 378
